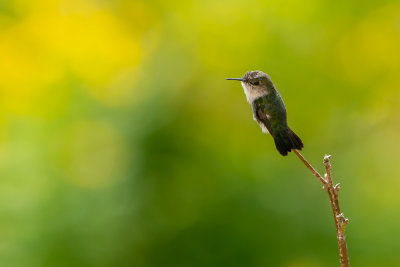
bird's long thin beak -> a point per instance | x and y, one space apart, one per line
235 79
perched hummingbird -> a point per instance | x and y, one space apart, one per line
269 110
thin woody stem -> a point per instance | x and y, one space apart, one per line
340 220
311 168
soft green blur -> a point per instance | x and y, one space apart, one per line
121 143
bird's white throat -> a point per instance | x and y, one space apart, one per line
253 92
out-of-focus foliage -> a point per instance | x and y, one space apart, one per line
121 144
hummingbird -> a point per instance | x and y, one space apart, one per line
269 110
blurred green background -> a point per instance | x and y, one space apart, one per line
121 144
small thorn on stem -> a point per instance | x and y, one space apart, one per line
342 219
337 187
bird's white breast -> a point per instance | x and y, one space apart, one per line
252 93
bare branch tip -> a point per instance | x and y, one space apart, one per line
327 158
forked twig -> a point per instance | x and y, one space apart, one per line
340 220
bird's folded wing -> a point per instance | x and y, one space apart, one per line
262 117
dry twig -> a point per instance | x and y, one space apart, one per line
340 220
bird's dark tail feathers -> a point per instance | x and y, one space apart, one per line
285 141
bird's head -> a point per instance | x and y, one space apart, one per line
255 84
255 80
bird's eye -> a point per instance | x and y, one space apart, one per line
256 83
